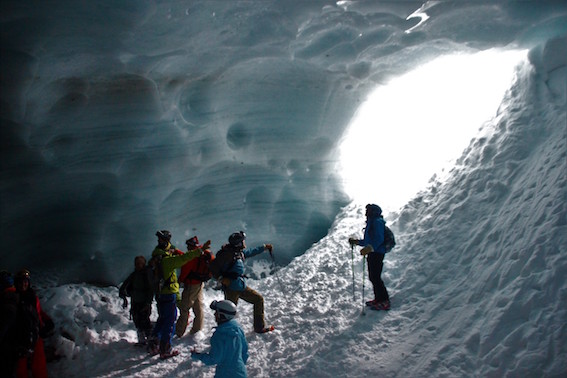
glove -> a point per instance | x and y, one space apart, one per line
269 247
206 245
352 241
366 250
125 303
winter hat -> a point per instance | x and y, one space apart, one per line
193 243
22 275
373 210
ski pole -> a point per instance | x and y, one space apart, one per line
352 263
363 277
275 272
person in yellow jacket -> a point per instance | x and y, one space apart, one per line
165 260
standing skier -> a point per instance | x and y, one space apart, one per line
374 250
165 260
193 275
230 262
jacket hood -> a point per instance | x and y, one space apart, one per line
230 327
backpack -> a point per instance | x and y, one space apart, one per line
158 281
198 270
389 240
223 261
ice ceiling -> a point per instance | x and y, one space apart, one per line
119 118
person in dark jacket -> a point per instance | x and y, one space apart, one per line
229 349
233 278
138 286
373 243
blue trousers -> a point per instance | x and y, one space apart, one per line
164 328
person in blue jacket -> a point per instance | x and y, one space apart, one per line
373 243
233 278
229 349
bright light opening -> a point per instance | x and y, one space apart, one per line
412 128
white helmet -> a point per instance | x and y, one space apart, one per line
225 308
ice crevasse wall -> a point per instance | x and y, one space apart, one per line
121 118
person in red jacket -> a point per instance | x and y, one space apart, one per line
193 275
34 325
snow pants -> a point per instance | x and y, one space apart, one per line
165 324
253 297
375 262
192 298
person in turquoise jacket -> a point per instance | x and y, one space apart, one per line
229 349
169 259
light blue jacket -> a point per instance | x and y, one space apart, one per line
374 234
239 283
229 351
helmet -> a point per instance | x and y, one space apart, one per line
237 238
225 308
164 234
22 275
193 242
373 210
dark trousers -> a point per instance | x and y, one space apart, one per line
375 264
141 315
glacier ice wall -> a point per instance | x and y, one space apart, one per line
205 118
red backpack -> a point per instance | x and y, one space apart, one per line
197 270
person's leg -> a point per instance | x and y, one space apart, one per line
197 296
232 295
251 296
169 314
184 307
375 266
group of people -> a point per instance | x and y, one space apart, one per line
158 278
229 349
23 326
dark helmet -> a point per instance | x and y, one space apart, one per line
193 243
22 275
225 308
236 239
164 234
373 210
